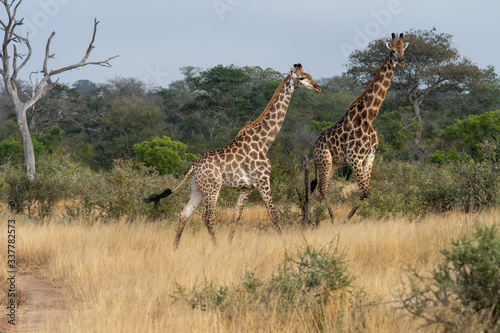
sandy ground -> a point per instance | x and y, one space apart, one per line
44 303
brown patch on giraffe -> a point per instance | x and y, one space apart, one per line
364 126
347 127
356 121
377 102
369 100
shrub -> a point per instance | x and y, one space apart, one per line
120 192
163 154
414 189
465 289
306 284
311 278
37 197
395 191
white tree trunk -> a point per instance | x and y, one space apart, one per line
29 152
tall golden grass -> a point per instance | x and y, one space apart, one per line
120 275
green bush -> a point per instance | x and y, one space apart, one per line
465 289
414 189
37 197
311 278
163 154
120 192
394 190
13 151
305 284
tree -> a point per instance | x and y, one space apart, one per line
433 65
466 136
127 122
396 129
163 154
13 61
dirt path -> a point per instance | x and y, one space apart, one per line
44 303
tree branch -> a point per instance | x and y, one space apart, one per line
83 62
47 56
46 83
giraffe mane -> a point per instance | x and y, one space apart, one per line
266 111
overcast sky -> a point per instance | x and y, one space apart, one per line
154 38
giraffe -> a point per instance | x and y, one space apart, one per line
242 164
353 140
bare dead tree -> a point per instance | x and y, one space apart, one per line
10 68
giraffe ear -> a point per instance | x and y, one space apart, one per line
389 46
405 45
293 73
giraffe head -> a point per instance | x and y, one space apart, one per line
302 79
397 49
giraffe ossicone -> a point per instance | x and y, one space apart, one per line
243 164
353 140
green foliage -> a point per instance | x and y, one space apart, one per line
397 130
127 122
120 192
311 278
395 190
163 154
465 288
446 156
466 135
204 297
320 126
53 183
414 189
13 150
9 131
51 139
478 183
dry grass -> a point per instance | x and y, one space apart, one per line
120 276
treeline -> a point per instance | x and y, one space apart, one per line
98 123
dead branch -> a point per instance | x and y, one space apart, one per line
83 62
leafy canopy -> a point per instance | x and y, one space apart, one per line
163 154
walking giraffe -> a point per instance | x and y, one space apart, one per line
242 164
353 140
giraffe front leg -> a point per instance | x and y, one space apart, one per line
358 169
264 188
240 204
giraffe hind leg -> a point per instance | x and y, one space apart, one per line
194 201
210 195
240 204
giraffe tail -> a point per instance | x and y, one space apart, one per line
314 183
156 197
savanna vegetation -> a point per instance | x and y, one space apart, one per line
422 253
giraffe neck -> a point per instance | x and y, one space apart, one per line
265 129
372 98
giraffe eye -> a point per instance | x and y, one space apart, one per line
301 78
